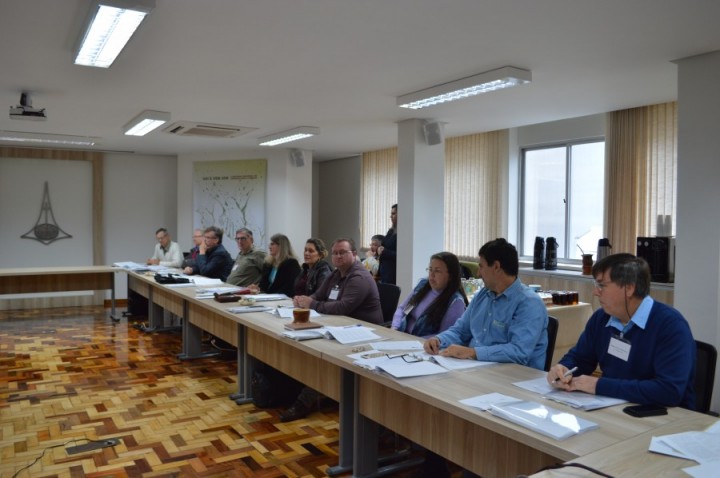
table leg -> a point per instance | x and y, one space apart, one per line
244 369
192 339
347 417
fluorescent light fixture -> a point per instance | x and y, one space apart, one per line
504 77
46 138
108 27
290 135
145 122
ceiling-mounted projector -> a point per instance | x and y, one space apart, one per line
25 110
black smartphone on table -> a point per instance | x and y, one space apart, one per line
645 410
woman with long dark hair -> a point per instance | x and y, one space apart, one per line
315 269
436 302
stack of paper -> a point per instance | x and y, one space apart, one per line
133 266
544 420
345 335
703 447
248 309
397 365
580 400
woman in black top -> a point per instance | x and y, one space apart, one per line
314 269
281 268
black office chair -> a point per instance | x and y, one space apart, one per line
389 298
705 362
552 330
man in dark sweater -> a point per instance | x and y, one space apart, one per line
645 350
213 260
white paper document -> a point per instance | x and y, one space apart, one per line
249 308
352 334
580 400
133 266
209 292
702 447
393 345
542 419
268 297
308 334
452 363
397 365
484 402
345 335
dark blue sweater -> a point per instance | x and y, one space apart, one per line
660 368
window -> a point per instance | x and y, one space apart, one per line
562 196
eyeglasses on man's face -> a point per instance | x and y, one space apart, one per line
241 238
210 238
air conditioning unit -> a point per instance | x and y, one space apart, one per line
206 130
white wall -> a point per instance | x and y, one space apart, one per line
22 184
339 195
697 271
140 195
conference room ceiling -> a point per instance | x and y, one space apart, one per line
340 64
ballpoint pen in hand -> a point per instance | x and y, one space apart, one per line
566 374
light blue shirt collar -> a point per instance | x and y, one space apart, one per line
639 318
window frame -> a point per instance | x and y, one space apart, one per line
563 256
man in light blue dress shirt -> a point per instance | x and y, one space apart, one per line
505 322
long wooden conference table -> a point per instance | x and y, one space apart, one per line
426 410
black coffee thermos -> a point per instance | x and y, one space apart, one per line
603 248
539 253
551 254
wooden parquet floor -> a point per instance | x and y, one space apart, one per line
70 375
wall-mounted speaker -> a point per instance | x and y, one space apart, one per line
297 158
433 133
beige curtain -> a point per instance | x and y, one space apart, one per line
641 162
379 180
473 189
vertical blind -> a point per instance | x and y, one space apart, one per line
379 179
641 162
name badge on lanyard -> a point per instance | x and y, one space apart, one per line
619 347
334 293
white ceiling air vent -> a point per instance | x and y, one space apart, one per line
206 130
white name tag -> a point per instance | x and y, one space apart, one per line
235 267
334 293
619 348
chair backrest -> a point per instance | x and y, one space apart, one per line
704 375
389 298
552 330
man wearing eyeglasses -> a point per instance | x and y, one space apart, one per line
349 290
505 322
644 348
249 262
213 261
167 252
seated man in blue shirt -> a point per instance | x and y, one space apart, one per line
505 322
644 348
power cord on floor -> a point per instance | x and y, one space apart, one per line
74 440
576 465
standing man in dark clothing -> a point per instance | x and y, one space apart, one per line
213 261
387 252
